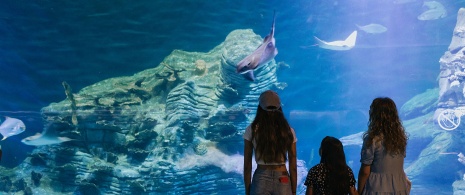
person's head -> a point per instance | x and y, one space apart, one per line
269 101
384 122
271 130
383 109
269 107
333 158
332 151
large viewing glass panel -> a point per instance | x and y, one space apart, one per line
143 98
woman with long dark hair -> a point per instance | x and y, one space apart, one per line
332 176
274 142
383 152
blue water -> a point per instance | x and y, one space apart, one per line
44 43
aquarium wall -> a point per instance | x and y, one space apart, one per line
151 97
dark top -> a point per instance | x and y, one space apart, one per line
316 179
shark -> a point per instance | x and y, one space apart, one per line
40 139
340 45
262 55
45 138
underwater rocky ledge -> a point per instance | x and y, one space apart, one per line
173 129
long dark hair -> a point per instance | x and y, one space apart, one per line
272 135
385 123
334 160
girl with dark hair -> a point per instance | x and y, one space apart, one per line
332 176
273 141
383 152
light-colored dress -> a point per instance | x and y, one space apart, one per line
387 174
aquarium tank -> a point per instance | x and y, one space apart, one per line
149 97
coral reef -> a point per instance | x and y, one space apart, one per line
35 178
200 67
132 133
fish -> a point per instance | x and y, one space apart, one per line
461 159
354 139
432 14
40 139
11 126
262 55
446 153
403 1
341 45
373 28
435 11
433 5
47 137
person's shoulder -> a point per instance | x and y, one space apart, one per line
350 169
317 167
292 129
374 139
248 133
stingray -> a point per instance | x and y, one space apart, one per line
347 44
262 55
45 138
354 139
